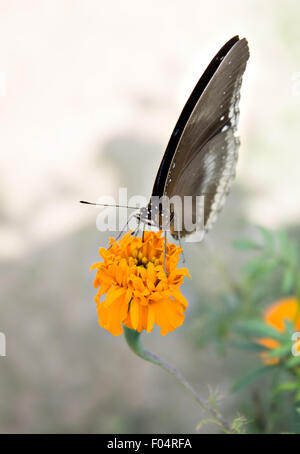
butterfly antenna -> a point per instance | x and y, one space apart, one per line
108 205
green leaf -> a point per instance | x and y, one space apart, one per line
293 362
265 268
289 328
253 265
293 254
257 328
286 386
288 280
246 245
249 346
282 240
298 285
297 371
280 352
268 237
251 376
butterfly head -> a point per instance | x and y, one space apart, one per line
147 216
154 215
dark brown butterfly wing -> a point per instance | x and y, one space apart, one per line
204 160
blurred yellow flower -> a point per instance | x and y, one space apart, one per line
138 291
275 315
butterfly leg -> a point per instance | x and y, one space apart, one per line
165 256
137 228
177 227
179 239
121 232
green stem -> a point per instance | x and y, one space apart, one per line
133 340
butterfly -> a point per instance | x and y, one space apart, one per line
201 156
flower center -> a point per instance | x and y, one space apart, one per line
143 260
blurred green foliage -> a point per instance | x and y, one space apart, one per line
234 323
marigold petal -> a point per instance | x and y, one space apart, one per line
275 315
177 273
176 293
150 285
114 293
286 308
95 266
104 288
134 313
143 313
111 317
168 315
97 297
128 296
138 283
150 318
119 275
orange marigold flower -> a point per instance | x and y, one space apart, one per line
275 315
138 291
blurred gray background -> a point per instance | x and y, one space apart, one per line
89 94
